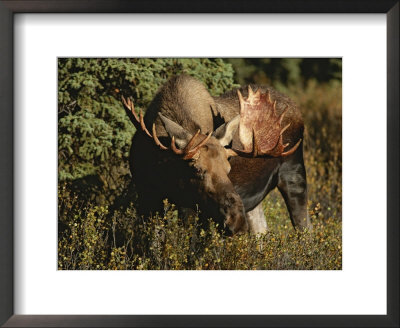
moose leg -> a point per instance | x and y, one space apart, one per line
292 184
256 220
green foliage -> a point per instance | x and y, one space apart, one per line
94 131
280 72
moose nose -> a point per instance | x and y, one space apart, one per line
227 231
235 217
236 224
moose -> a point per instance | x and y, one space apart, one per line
223 154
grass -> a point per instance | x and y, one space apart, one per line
93 237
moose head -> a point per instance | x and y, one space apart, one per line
207 159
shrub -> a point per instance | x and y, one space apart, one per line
164 242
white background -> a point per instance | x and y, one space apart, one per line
360 288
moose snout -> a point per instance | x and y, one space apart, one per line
235 216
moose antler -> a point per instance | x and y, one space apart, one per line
260 129
138 121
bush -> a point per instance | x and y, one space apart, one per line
164 242
286 71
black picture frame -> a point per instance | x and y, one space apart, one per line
7 11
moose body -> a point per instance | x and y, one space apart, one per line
201 170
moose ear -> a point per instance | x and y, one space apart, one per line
226 131
182 136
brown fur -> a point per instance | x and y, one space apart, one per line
185 101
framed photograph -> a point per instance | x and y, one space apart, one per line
199 165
